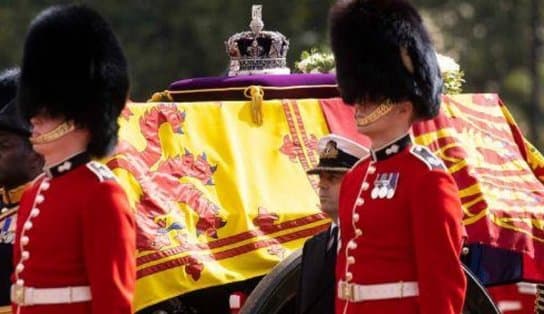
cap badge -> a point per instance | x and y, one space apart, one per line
330 151
385 185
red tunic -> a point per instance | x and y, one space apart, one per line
84 235
415 235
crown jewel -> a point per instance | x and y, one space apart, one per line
257 51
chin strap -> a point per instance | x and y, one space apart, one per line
53 135
380 111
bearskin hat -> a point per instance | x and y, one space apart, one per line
74 67
9 118
383 52
8 86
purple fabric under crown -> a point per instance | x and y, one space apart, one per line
275 86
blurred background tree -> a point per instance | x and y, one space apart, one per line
496 42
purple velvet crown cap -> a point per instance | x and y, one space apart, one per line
279 86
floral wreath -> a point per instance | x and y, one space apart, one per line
316 61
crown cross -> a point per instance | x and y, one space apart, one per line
256 23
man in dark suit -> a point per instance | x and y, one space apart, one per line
337 155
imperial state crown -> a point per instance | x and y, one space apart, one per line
257 51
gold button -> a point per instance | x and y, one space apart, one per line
19 268
34 212
360 201
39 199
25 240
27 225
356 217
45 185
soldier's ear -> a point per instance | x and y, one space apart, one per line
405 108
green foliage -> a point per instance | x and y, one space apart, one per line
517 83
453 82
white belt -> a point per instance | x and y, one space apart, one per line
356 293
30 296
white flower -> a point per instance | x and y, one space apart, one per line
315 61
447 64
302 66
452 75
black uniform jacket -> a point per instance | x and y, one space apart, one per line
316 287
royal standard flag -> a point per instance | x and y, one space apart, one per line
499 175
218 198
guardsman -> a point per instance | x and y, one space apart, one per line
19 164
75 237
337 155
400 215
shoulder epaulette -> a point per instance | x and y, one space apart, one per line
427 157
101 171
